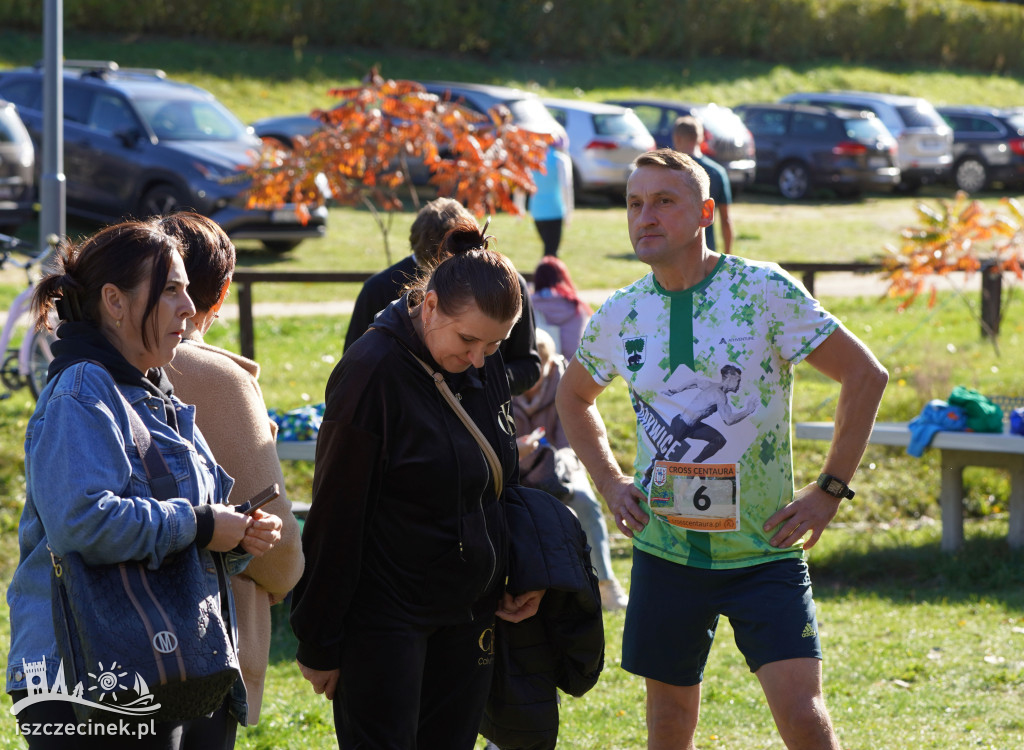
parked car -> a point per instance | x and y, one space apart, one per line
726 138
17 170
925 140
800 148
527 110
139 144
988 147
525 107
604 139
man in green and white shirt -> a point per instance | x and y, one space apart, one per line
707 344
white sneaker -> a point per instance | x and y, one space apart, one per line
612 595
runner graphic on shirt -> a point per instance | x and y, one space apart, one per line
672 440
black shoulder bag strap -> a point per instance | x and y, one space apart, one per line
161 481
492 458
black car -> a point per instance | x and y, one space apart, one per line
988 147
137 144
17 171
800 148
726 139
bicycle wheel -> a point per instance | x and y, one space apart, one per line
9 374
39 359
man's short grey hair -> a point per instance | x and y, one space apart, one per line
669 159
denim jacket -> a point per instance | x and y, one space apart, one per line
86 491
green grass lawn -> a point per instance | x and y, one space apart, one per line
922 649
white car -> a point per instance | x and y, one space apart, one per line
604 139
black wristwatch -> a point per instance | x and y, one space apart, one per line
835 487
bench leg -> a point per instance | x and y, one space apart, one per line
951 500
1016 533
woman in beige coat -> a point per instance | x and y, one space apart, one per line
233 416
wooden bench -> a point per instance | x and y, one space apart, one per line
959 449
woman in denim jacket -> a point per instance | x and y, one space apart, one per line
122 298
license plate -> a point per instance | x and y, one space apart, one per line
877 162
284 216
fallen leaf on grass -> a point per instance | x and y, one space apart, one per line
901 684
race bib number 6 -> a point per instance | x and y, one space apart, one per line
699 497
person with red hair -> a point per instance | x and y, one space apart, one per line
557 305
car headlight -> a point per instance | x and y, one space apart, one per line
214 172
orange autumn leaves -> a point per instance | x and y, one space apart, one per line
958 235
361 154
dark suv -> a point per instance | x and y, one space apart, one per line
800 148
137 144
988 146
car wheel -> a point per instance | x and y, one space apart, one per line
970 175
794 181
161 200
281 246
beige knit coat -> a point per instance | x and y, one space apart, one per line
232 416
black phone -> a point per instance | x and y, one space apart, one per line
272 492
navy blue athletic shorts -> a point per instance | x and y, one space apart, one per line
674 609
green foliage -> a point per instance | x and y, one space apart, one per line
983 36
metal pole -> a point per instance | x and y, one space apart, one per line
52 189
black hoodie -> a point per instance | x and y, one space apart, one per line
404 516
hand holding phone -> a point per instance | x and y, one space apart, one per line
250 507
533 437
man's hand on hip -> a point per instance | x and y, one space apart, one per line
812 510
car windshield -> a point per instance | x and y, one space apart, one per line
721 120
625 123
921 115
190 120
530 112
9 133
867 129
1016 122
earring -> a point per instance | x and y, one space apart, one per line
118 323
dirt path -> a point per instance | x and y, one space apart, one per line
833 284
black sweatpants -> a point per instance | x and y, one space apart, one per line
406 686
550 231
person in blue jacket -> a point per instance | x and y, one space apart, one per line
123 301
551 205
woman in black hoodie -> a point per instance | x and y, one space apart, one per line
405 541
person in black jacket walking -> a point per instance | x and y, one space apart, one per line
405 541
